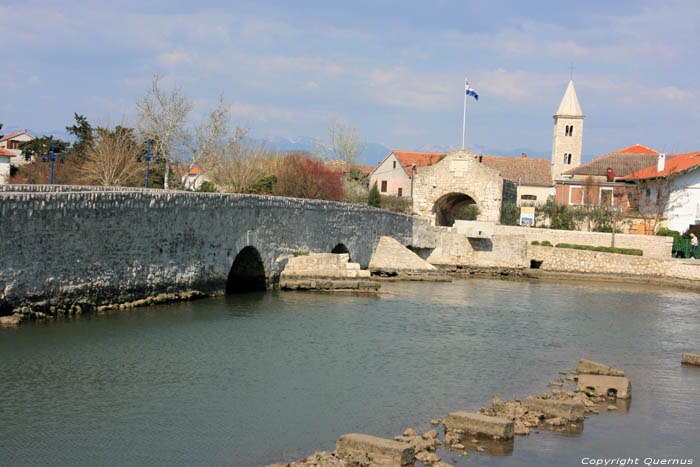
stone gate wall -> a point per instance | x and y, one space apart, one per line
459 172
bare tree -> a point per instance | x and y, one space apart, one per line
110 159
162 117
236 162
650 198
343 143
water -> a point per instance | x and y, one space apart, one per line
270 377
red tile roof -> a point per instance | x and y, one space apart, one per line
678 163
13 135
530 171
623 162
7 152
523 170
195 170
637 149
421 159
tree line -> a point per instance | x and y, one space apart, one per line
224 154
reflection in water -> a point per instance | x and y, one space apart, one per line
485 445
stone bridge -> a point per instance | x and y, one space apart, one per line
98 246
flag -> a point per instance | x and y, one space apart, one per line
470 91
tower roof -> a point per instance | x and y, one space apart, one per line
569 104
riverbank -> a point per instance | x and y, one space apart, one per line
448 273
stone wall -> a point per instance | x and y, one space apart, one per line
63 245
438 188
652 246
582 261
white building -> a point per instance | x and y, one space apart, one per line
6 157
11 143
682 208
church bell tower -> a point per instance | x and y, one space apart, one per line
568 134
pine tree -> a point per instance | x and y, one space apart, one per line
374 199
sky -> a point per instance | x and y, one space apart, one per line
395 70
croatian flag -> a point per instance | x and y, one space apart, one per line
470 91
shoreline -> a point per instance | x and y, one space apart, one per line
42 310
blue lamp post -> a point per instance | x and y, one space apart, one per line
148 158
52 157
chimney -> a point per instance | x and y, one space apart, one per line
524 155
661 163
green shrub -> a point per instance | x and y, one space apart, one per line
666 232
262 186
396 204
546 243
535 242
467 213
604 249
510 214
560 217
207 187
374 198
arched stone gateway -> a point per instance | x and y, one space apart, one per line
247 273
340 248
458 179
447 206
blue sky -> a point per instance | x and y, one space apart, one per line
393 69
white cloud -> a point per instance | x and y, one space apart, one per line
34 80
263 113
174 58
406 88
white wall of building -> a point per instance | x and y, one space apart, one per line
684 202
5 168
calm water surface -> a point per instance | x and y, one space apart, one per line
256 379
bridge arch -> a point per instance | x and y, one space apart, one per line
340 248
447 205
247 273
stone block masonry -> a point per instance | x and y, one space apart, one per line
690 359
652 246
61 247
569 410
477 424
366 449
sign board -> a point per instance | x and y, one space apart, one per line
527 216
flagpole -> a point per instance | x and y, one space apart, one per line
464 119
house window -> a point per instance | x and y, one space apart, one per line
383 190
606 196
14 144
575 195
529 197
400 191
394 164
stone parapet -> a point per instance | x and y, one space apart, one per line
652 246
570 260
